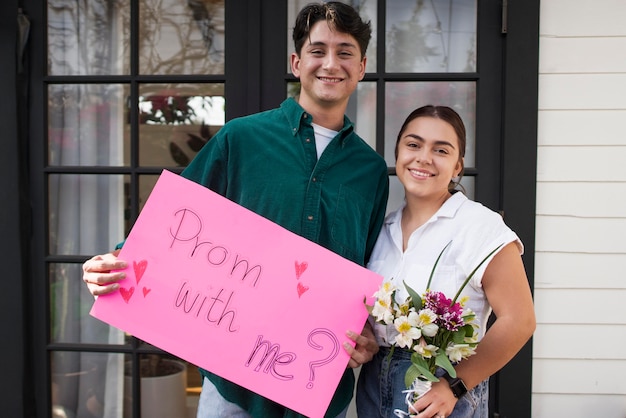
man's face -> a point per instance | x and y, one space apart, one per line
329 67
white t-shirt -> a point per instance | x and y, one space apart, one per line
474 230
323 136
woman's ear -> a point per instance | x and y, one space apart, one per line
459 167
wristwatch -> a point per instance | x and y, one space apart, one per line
456 385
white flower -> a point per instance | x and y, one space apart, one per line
407 330
385 291
426 322
457 352
382 311
426 350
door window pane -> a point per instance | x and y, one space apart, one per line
431 36
146 184
87 213
181 37
175 121
368 12
70 303
88 37
403 97
86 124
86 384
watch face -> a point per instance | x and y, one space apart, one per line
458 387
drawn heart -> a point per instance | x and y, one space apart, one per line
127 293
146 291
140 269
301 289
300 267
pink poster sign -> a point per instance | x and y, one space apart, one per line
227 290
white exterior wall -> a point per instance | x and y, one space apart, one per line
579 359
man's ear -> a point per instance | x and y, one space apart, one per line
363 65
295 65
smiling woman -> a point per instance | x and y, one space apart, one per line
434 215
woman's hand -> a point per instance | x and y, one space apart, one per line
365 348
438 402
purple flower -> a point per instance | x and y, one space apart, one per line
449 315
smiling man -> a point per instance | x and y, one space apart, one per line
303 167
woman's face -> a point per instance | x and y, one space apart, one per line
428 157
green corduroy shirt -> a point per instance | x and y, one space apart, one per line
267 162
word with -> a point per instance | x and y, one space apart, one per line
217 308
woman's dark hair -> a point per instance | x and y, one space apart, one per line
339 16
448 115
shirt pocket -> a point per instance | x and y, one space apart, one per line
350 224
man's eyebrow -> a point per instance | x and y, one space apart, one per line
342 44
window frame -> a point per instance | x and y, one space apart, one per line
254 82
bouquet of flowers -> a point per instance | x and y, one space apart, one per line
437 330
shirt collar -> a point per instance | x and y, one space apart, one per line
448 210
297 116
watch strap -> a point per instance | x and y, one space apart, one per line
456 385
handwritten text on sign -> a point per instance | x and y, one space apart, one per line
227 290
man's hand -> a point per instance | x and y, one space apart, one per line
97 273
366 346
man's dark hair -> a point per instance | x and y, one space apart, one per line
339 16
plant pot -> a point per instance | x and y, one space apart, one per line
161 396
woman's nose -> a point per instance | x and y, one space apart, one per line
423 157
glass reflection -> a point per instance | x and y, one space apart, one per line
87 214
86 384
175 121
70 303
403 97
86 124
431 36
146 184
181 37
367 11
88 37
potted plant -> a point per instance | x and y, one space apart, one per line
163 387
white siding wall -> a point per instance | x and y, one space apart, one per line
579 365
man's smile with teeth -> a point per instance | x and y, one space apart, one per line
330 79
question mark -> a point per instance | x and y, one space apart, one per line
324 361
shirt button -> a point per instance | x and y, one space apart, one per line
308 140
304 115
314 179
310 217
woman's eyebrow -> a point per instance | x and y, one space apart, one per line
439 142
